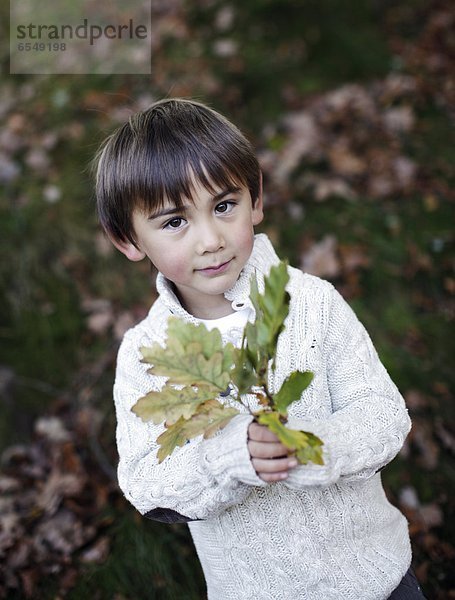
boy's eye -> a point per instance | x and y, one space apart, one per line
224 207
174 223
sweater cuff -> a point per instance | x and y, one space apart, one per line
226 455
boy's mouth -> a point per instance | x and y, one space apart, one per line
215 269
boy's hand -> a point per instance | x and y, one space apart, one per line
268 455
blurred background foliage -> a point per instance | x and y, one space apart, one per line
351 108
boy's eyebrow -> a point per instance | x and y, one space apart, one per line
165 212
229 190
174 210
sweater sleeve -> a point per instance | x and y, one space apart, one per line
198 480
369 422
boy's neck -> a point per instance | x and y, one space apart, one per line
218 308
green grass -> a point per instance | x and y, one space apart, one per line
147 561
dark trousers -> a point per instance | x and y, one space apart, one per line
409 588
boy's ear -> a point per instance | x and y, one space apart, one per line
128 249
258 206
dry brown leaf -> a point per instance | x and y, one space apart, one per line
400 119
20 555
98 552
415 400
101 314
432 515
61 533
52 429
58 486
321 258
344 162
421 437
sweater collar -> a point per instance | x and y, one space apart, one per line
262 257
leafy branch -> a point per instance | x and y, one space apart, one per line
199 368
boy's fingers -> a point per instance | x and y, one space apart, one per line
272 477
267 450
278 465
261 433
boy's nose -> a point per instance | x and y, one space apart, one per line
209 239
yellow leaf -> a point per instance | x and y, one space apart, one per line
209 418
170 403
307 446
192 356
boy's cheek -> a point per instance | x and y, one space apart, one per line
174 268
245 242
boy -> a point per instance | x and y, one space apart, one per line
180 184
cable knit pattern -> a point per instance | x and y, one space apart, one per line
327 532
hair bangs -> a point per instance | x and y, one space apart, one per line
170 176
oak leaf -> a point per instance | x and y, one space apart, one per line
192 355
210 417
170 403
291 390
306 446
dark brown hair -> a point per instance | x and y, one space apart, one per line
153 157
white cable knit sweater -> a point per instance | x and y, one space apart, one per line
327 532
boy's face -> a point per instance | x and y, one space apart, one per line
202 248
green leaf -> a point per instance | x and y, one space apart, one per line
243 375
209 418
291 390
290 438
213 416
170 404
252 348
193 356
307 446
312 452
171 438
254 295
271 308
